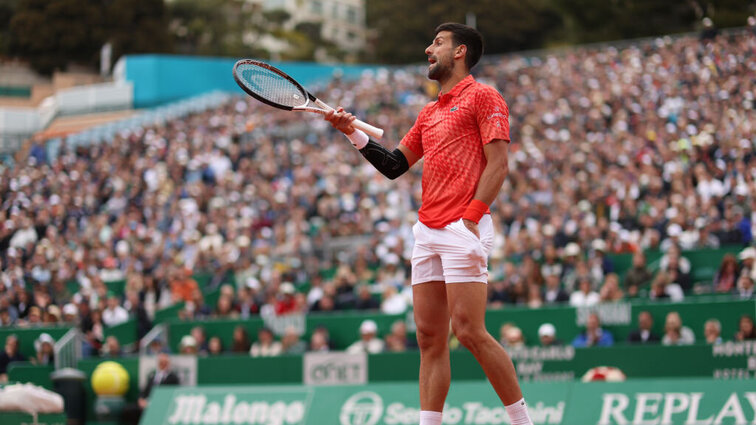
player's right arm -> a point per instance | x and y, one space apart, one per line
391 164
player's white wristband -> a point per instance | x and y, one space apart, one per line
358 138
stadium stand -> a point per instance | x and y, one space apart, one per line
222 213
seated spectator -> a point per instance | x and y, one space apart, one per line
365 300
553 292
713 332
644 334
215 346
746 330
726 278
369 341
9 354
580 272
599 262
510 336
638 276
114 314
747 259
585 296
71 314
188 345
662 288
319 341
246 304
610 290
675 333
45 352
224 308
111 347
136 310
397 340
677 267
285 302
745 287
547 335
240 340
551 263
183 286
594 335
534 296
266 345
291 343
393 301
155 347
200 339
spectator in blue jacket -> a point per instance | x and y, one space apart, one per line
593 336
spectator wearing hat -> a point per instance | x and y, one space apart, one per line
45 351
547 335
638 276
747 259
71 314
266 345
9 354
285 302
644 333
188 345
594 335
114 314
369 341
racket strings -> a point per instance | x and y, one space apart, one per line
271 86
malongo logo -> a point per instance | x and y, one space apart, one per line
195 409
367 408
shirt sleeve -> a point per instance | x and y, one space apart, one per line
492 114
414 138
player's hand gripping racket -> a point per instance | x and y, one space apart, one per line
274 87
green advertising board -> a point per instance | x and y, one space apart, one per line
638 402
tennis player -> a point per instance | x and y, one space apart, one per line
464 138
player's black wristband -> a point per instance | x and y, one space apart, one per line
390 164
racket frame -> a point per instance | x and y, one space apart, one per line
322 107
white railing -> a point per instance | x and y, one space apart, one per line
68 349
157 333
20 123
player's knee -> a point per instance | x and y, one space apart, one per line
431 338
468 334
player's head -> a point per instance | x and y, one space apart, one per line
454 43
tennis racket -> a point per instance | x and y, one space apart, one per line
274 87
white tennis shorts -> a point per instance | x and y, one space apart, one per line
452 254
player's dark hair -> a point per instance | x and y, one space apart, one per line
469 36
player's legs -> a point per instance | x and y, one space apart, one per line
467 306
432 321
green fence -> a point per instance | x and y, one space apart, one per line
27 336
35 374
637 402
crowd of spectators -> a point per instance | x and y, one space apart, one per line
615 149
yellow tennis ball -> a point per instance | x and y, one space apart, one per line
110 379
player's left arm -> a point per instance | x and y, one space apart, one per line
492 118
494 174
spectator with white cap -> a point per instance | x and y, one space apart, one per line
547 335
747 259
45 352
369 342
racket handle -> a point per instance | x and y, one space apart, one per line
374 132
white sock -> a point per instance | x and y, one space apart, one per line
429 417
518 413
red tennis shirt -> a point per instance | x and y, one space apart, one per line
449 134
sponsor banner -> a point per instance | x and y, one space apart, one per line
185 367
609 314
683 402
640 402
335 368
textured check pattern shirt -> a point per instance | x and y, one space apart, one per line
449 134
